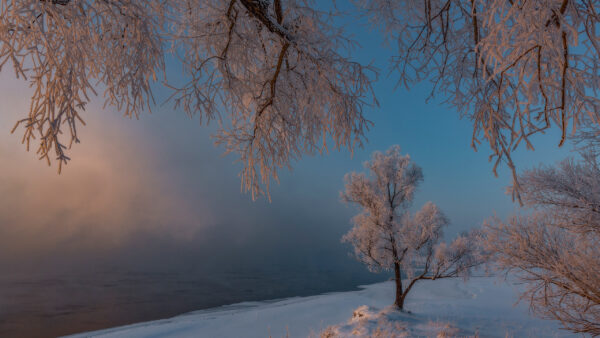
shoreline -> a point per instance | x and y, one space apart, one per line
482 305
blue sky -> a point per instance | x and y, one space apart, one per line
158 187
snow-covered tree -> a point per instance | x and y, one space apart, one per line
387 236
272 73
513 67
556 249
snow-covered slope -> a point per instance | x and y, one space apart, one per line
483 305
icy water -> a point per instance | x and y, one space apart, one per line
49 305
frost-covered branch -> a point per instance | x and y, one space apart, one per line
275 74
66 49
278 81
555 251
513 67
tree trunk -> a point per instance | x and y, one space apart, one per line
402 298
399 297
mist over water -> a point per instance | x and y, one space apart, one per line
135 230
132 232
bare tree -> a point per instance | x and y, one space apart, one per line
556 250
513 67
385 235
271 72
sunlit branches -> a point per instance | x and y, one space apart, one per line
514 68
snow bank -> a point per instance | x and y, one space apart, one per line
483 306
369 322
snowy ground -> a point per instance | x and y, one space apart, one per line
483 306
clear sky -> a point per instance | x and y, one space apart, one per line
156 191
